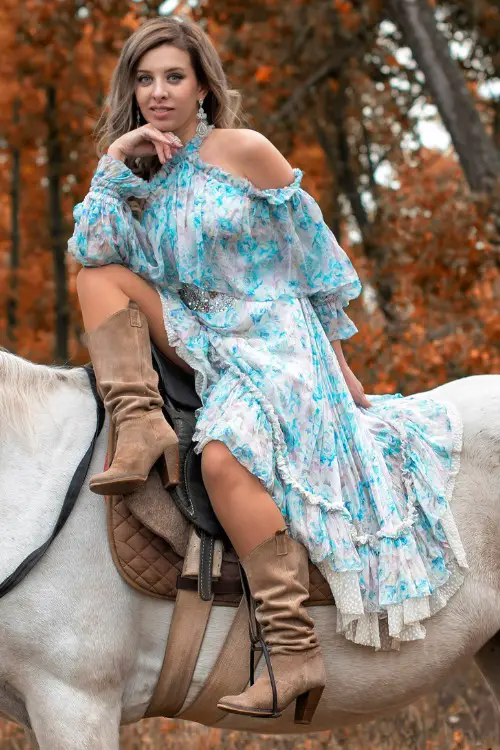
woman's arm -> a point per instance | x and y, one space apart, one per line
337 348
352 382
261 162
105 231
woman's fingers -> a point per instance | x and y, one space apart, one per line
159 146
173 139
169 138
363 401
164 146
148 140
165 154
159 151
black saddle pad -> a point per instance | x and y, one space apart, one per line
177 389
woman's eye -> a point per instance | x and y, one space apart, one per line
177 76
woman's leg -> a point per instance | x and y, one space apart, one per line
277 572
121 312
104 290
244 508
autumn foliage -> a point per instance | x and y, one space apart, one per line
333 85
324 83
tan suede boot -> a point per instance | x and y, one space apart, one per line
277 576
120 351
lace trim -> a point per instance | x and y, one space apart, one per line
386 630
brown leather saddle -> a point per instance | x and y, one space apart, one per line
165 542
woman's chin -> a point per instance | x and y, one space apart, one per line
165 126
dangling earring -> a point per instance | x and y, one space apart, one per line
202 127
138 117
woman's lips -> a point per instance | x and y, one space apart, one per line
161 114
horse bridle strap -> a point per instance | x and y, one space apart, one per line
69 501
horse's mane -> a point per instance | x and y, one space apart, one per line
25 386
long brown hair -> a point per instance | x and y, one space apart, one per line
222 104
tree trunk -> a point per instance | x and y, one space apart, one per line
56 224
15 199
478 156
339 156
324 141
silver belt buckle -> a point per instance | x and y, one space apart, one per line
203 300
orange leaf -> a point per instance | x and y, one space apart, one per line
263 74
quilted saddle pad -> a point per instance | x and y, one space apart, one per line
151 562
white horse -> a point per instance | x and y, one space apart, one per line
80 651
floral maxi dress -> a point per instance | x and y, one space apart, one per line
253 286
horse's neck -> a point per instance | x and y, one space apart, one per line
35 473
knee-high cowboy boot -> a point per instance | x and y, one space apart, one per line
277 578
120 351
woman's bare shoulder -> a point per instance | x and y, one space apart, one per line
233 141
257 158
237 135
248 153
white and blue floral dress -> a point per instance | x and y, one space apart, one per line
254 287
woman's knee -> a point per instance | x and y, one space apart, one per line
218 464
91 277
99 294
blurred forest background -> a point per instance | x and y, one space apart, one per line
392 109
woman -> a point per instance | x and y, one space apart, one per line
234 274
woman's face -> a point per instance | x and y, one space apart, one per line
167 91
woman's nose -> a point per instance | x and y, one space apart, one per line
160 89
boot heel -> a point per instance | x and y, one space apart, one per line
306 704
168 466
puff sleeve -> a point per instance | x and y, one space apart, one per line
105 230
329 309
326 272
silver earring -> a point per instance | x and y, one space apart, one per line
202 127
138 118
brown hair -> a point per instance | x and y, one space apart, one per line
222 105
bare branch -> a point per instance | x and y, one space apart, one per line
298 94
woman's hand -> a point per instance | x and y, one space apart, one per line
354 385
145 141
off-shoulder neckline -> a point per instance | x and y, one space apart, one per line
273 195
243 182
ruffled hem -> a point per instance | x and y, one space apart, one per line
401 621
387 625
394 622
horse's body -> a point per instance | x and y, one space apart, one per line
80 651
